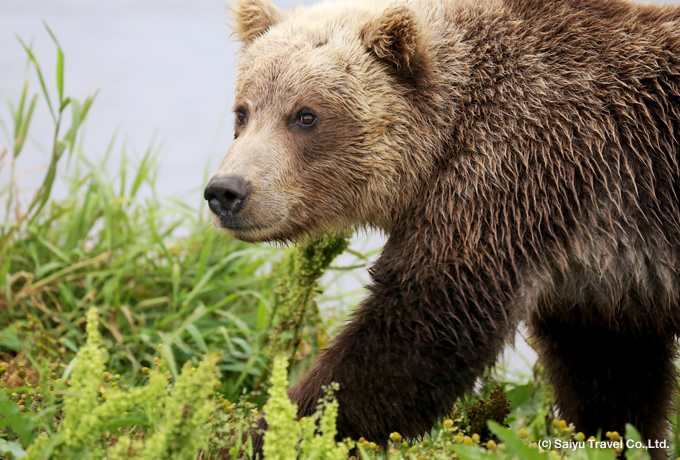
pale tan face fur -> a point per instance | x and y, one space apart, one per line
342 169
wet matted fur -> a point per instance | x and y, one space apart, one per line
522 155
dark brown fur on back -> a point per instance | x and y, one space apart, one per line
540 141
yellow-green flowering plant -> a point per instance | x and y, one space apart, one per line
311 437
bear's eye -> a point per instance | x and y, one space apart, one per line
306 119
241 117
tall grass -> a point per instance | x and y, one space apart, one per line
109 246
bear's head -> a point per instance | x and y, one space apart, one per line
324 111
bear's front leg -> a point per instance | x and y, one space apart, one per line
429 328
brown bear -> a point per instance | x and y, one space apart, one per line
523 157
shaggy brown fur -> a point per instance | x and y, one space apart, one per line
522 155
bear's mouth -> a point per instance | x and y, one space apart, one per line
247 219
246 232
230 222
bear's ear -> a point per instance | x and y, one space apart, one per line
393 37
252 18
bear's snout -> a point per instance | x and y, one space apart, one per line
226 195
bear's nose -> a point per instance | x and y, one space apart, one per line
225 195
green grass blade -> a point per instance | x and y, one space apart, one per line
143 171
75 124
175 279
60 66
168 354
198 338
54 37
123 170
23 129
53 249
60 76
34 61
86 106
109 148
64 104
18 112
78 114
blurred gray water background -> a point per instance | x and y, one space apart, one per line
165 71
